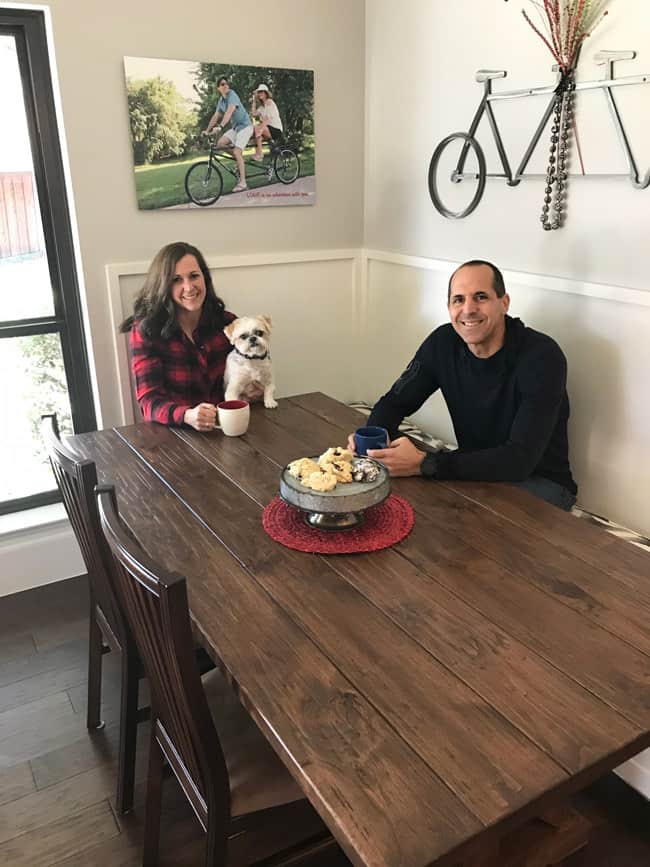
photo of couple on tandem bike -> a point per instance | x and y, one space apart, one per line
204 181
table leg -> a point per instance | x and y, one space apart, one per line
544 841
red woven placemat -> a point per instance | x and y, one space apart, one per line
384 525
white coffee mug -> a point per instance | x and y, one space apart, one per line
234 416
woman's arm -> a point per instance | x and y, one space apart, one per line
148 377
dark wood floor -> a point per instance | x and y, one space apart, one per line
57 782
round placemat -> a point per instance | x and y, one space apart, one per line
384 525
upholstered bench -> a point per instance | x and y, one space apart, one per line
408 427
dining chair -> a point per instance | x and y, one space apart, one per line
108 630
225 767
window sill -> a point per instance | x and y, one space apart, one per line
32 519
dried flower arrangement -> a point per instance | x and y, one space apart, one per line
563 27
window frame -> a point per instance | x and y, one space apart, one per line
29 30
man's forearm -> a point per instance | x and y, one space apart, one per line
511 462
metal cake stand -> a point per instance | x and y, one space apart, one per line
340 509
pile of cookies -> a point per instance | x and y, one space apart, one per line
335 466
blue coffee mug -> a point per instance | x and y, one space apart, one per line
370 438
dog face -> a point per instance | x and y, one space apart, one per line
250 335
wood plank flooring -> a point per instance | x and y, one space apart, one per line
57 782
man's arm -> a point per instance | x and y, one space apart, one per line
214 120
408 393
228 114
543 386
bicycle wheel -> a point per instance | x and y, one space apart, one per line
287 166
458 166
203 183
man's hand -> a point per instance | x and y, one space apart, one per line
203 416
401 458
351 444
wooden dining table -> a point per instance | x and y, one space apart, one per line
433 699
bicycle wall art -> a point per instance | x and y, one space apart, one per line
217 135
458 161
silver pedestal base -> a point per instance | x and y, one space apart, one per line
333 521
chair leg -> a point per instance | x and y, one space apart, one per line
153 805
95 643
216 845
128 734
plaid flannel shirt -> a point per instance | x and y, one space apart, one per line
176 374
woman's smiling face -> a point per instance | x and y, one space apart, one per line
188 285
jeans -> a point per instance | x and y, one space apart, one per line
552 492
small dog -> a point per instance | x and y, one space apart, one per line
249 374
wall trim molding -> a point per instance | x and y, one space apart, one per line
39 555
244 260
602 291
636 773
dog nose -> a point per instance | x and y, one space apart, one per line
253 340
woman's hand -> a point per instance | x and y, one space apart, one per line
203 416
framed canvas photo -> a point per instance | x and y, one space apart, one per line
215 135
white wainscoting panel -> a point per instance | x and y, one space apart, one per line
311 297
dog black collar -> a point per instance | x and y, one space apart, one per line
253 357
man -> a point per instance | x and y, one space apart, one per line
504 385
229 110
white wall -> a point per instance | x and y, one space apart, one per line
420 86
90 40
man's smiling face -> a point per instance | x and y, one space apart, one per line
477 314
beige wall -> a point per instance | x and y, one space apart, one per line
90 40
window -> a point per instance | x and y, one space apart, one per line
43 361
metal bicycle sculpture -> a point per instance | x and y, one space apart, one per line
560 132
204 180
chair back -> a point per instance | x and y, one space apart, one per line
135 406
155 603
76 479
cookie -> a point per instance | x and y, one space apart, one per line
302 467
364 470
342 470
335 454
321 482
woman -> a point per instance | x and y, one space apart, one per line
270 124
178 348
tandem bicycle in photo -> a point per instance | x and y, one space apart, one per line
204 180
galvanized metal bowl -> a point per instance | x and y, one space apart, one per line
340 509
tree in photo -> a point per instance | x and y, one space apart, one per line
292 89
162 123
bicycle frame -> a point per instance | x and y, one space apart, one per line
513 179
215 151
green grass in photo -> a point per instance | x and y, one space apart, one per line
162 184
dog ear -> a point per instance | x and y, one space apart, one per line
267 321
229 330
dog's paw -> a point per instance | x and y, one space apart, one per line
270 403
